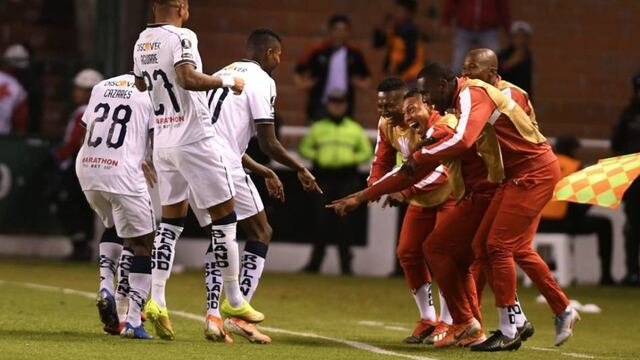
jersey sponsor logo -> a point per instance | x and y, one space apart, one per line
186 43
234 67
119 83
169 120
96 162
148 46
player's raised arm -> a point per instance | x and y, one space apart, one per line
190 79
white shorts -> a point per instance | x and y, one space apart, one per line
247 199
197 169
132 215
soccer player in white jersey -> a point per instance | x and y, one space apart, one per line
237 119
186 156
109 167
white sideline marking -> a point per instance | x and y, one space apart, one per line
354 344
383 325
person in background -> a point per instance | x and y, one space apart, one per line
333 64
28 72
14 109
516 61
337 145
400 35
626 140
74 211
477 25
572 218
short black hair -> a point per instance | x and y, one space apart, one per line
436 72
337 19
411 94
391 84
410 5
260 39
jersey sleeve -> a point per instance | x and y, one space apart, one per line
136 68
86 115
384 157
521 99
184 48
261 102
475 109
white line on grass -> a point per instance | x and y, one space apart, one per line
354 344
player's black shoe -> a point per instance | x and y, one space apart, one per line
498 342
526 330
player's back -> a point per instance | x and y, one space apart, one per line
235 116
181 116
118 120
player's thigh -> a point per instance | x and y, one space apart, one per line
453 232
247 199
172 185
206 173
101 205
417 224
133 215
202 215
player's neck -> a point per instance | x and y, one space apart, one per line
169 20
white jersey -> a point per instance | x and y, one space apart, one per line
235 116
181 116
12 94
118 120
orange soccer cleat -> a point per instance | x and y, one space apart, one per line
423 329
461 334
247 330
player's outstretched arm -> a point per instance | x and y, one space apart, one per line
271 179
190 79
270 145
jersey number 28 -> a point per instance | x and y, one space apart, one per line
121 116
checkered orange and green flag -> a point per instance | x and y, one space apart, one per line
602 184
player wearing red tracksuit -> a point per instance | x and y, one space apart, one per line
530 174
427 200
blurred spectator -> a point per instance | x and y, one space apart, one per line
336 145
572 218
75 214
400 35
29 73
14 108
626 140
333 64
477 25
516 61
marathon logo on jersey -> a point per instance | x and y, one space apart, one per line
99 162
167 121
249 263
148 46
213 287
163 253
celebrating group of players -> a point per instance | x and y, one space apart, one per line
476 173
199 140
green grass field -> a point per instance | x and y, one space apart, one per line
309 317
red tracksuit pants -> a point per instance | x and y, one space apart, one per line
449 254
506 234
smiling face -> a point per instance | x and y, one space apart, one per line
416 112
390 106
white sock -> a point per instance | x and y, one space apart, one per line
140 280
424 300
163 256
122 290
253 260
109 257
213 283
445 315
507 321
520 317
226 256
